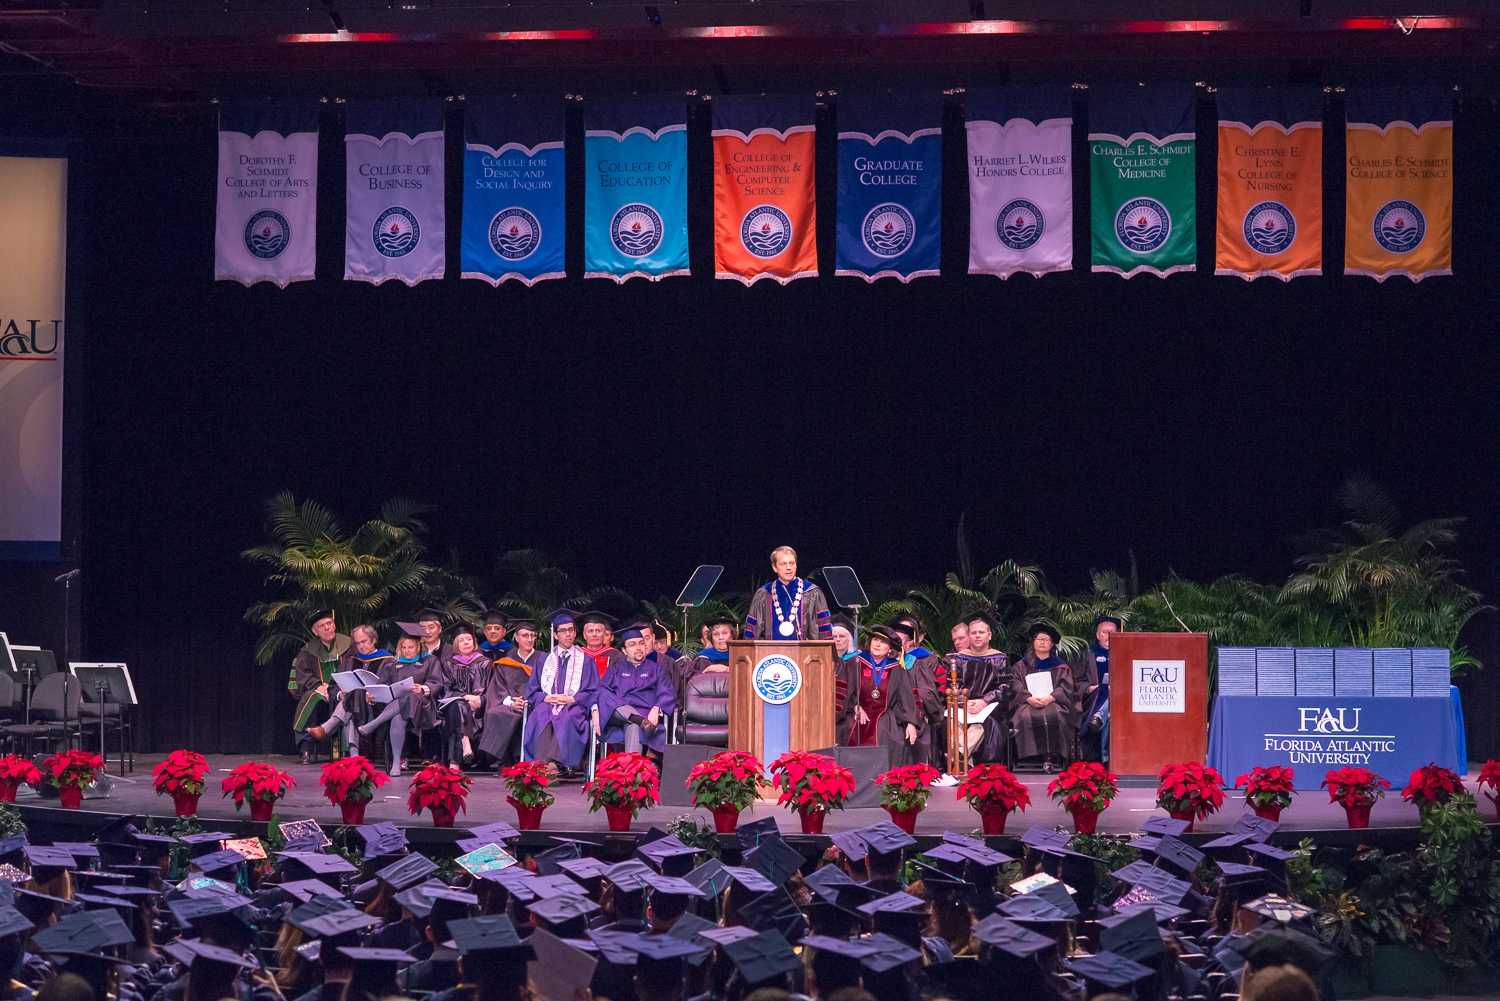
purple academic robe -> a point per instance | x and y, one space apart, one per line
572 674
639 686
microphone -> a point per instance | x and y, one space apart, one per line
67 576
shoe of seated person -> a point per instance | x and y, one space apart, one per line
316 732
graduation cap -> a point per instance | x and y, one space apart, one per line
1160 912
498 832
1134 936
316 907
1270 945
853 896
662 955
15 844
1179 855
189 911
382 839
547 887
1045 839
515 882
1109 971
191 951
751 879
1165 825
762 957
1058 896
1029 908
669 856
855 949
595 617
774 911
488 935
672 885
215 862
886 838
1225 845
1135 871
1010 938
1163 885
319 864
889 954
562 617
1258 828
1280 909
407 871
775 859
377 961
205 841
92 901
47 860
899 901
963 978
562 909
899 915
633 631
851 844
13 922
585 868
608 942
549 862
85 933
749 835
419 899
303 890
826 880
130 890
336 924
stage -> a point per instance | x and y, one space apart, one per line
1311 815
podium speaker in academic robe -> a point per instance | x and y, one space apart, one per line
788 607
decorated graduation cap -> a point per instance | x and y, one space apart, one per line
1282 910
1160 912
1107 971
761 957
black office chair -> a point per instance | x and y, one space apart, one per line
54 714
705 710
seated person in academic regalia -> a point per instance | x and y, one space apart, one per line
842 634
366 655
495 627
875 701
1042 721
1093 719
636 697
598 639
312 676
787 607
502 694
984 672
413 711
458 675
929 679
559 696
714 657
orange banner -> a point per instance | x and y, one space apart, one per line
1270 218
765 212
1399 219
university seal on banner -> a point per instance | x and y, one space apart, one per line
396 232
267 234
1400 226
1019 225
765 231
888 230
515 233
1142 225
1269 228
636 230
776 679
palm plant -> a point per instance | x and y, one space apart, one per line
370 575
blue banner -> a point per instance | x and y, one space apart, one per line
889 187
514 179
1313 735
635 189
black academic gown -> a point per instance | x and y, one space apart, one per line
500 725
985 677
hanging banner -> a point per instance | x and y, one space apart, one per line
890 186
1399 179
635 189
1142 158
265 229
1270 212
1020 159
765 209
513 221
33 286
393 226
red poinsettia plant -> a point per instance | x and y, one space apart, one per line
256 781
71 768
440 788
727 779
16 770
1432 785
1354 786
811 783
1489 775
180 774
1268 786
996 785
1084 785
352 780
906 787
624 779
527 782
1190 787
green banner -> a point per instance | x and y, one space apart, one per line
1144 213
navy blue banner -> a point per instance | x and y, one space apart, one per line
890 186
1384 106
1313 735
1285 106
514 183
1160 112
251 117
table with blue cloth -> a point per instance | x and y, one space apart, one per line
1315 734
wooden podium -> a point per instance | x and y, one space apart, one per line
1158 700
785 712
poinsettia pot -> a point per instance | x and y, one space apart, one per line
441 817
1268 812
8 789
904 819
619 817
528 818
1085 821
726 819
992 817
1359 815
185 803
71 797
353 811
1186 815
261 809
812 820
